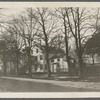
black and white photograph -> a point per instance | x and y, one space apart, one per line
49 49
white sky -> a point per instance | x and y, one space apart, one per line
7 12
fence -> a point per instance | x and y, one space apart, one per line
92 70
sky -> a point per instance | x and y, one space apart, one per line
7 12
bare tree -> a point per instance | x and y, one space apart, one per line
61 15
92 46
23 29
78 21
3 55
13 31
47 29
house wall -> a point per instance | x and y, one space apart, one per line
38 54
88 59
63 64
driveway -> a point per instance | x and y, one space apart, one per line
10 84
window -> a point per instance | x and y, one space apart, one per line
45 67
31 51
36 50
52 60
41 57
41 67
58 59
36 58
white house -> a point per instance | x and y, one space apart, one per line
40 59
57 61
89 58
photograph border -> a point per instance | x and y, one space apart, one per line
51 95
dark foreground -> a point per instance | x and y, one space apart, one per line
13 85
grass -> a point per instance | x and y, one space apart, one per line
59 77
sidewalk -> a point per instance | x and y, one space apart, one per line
81 85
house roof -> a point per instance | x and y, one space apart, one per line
56 56
60 55
51 50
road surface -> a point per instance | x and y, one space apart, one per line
25 85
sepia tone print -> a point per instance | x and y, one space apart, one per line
46 49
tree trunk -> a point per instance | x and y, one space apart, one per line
47 61
67 56
17 61
80 59
81 70
66 44
29 62
4 63
48 67
79 55
80 52
93 59
47 48
30 45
